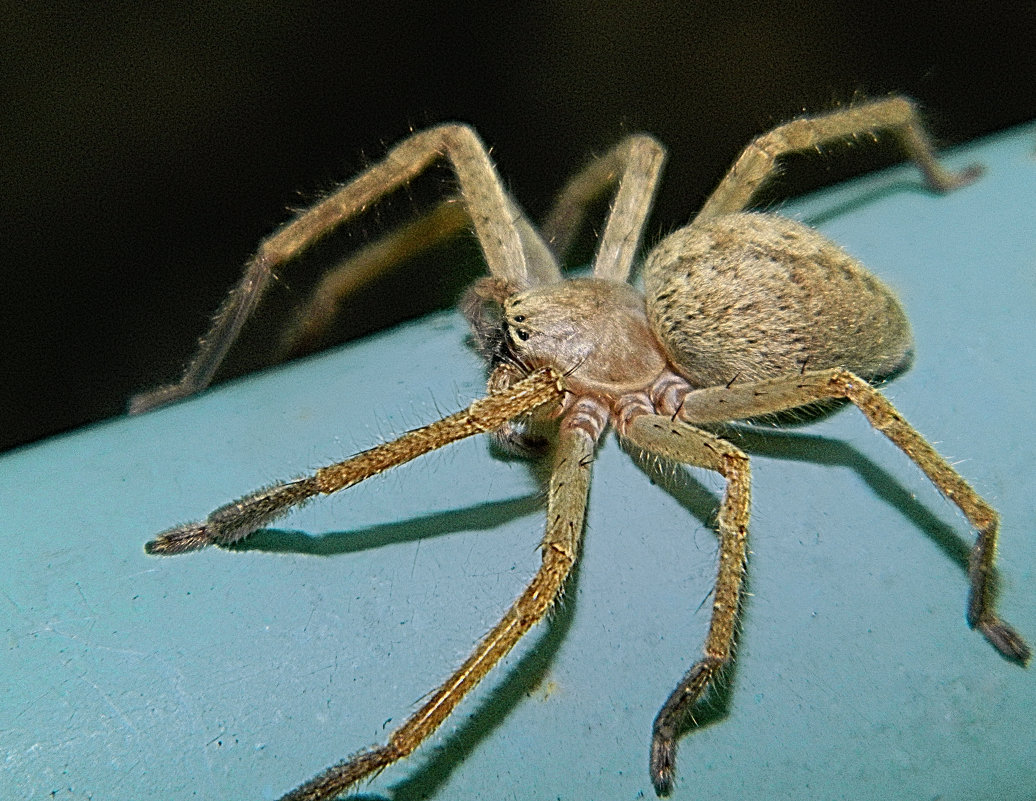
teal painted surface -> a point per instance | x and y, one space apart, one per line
236 675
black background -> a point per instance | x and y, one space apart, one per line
145 152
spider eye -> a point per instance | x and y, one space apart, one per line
522 334
519 318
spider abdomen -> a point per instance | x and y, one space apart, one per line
753 296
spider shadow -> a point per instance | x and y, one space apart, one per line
821 450
437 763
702 504
521 678
862 199
472 518
520 681
782 444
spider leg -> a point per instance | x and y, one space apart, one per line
442 222
683 443
235 521
757 163
635 164
498 225
742 401
314 318
566 506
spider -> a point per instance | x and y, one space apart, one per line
745 315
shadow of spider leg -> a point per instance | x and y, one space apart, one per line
741 401
686 444
566 507
674 437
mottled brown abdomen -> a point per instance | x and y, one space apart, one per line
753 296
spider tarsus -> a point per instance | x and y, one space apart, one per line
1005 639
663 764
670 718
234 521
961 178
159 396
340 777
188 537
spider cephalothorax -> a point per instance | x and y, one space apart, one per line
593 331
745 316
739 299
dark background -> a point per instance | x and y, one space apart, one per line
145 153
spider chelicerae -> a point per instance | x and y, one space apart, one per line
744 315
